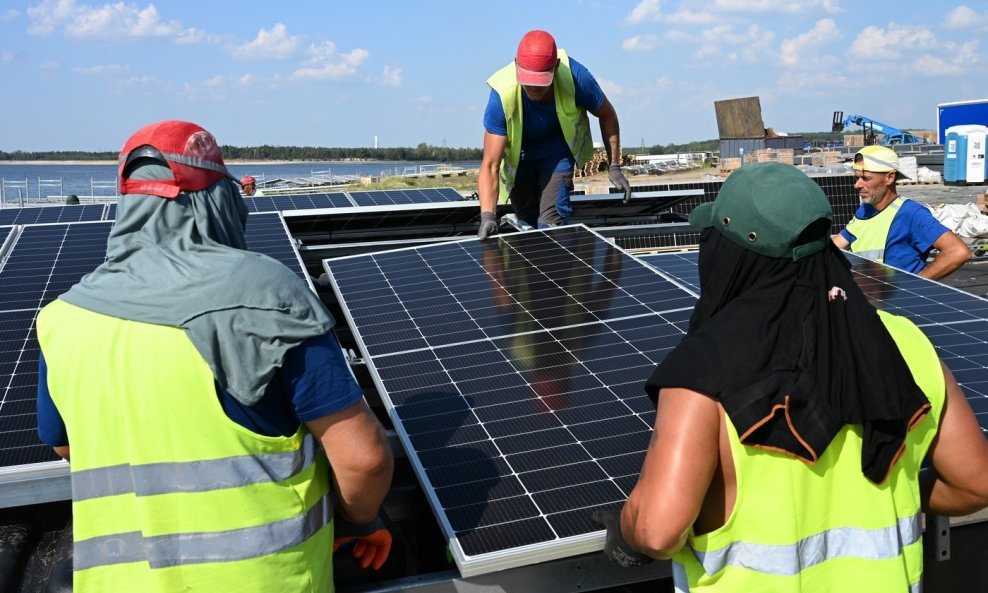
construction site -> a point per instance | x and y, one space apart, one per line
495 481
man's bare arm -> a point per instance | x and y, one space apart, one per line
954 253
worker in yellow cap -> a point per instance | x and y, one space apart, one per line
891 229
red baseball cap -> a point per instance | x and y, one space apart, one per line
190 152
246 180
535 63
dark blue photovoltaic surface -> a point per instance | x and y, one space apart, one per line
955 321
514 371
46 214
45 262
297 202
266 233
390 197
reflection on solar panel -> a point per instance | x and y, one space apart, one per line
37 215
386 197
266 233
297 202
955 321
44 262
513 371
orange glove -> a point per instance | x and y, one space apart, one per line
373 540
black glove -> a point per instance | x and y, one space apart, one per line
615 548
488 225
616 177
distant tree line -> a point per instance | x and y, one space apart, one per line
422 152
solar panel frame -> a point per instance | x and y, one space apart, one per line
361 222
439 442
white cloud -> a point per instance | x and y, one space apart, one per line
611 89
640 43
275 44
6 57
105 22
325 63
824 31
779 6
965 17
686 17
48 66
646 10
100 69
9 15
876 44
391 76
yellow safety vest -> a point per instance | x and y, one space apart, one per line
572 119
871 235
168 493
799 528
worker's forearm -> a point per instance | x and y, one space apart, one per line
611 134
945 264
487 188
360 494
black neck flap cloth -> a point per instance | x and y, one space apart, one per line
793 351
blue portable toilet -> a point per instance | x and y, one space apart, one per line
954 153
964 159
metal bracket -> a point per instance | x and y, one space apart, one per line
938 537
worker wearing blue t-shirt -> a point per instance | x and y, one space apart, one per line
891 229
532 165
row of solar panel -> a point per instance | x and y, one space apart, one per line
91 212
513 372
44 262
385 197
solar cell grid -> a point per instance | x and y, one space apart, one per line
513 370
51 214
266 233
405 196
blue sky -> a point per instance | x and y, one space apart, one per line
82 75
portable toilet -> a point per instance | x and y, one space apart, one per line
954 153
964 154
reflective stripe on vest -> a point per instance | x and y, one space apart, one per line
842 542
192 476
174 549
573 120
871 234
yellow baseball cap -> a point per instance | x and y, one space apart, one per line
878 159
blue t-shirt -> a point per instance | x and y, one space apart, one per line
911 236
542 137
314 381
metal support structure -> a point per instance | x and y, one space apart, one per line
52 183
938 537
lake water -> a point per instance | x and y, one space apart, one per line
39 181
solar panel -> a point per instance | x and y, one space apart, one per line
266 233
111 211
393 197
513 370
44 262
392 222
46 214
955 321
297 202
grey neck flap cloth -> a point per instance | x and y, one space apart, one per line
182 262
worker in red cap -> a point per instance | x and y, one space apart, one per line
536 130
248 185
217 438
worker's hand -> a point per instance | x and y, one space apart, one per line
488 225
616 177
373 540
615 548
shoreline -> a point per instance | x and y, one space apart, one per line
238 162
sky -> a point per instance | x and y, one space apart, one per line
78 75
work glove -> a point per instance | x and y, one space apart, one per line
373 540
488 225
615 548
616 177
